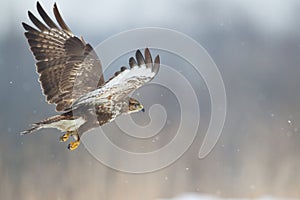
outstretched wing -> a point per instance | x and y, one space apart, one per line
142 70
61 57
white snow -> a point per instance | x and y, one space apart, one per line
193 196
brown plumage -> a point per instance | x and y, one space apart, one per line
71 77
60 57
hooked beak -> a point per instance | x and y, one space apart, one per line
141 108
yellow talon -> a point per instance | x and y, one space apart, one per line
73 145
65 137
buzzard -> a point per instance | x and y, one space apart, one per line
71 77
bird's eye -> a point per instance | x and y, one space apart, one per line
136 105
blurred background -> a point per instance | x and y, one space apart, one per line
255 44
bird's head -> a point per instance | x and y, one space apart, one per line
135 106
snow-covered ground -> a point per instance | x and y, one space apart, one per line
192 196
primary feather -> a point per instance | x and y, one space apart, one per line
71 77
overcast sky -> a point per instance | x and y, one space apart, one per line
108 16
256 46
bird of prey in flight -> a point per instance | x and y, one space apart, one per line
71 77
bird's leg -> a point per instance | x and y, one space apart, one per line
65 136
76 143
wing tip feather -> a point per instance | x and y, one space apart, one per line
38 5
140 58
60 20
132 62
45 16
148 59
28 27
156 64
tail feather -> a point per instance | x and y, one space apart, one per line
45 123
34 127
